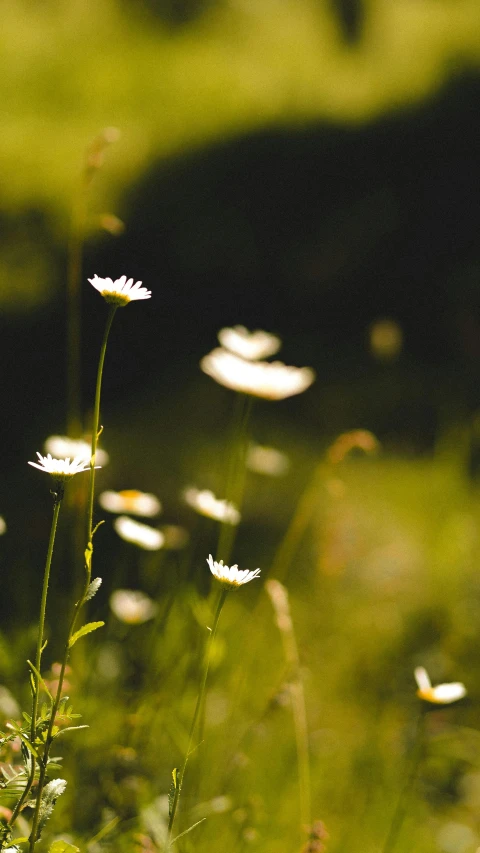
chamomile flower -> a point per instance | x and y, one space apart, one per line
271 380
267 460
230 575
249 345
131 500
121 291
442 694
132 606
148 538
62 446
61 469
204 502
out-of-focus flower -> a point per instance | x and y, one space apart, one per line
386 339
249 345
3 525
230 575
62 446
61 469
176 537
148 538
205 502
356 439
317 838
121 291
267 460
442 694
132 606
131 500
270 380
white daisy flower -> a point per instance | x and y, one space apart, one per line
62 446
120 292
267 460
249 345
131 500
271 380
61 469
205 503
132 606
230 575
148 538
442 694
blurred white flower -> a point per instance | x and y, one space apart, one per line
249 345
148 538
267 460
3 525
205 502
442 694
131 500
132 606
61 469
62 446
230 575
120 292
271 380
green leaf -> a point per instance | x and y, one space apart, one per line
63 847
86 629
40 679
186 831
173 787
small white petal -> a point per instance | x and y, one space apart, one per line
422 678
61 469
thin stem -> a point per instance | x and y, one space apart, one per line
201 693
402 805
38 657
279 598
235 482
88 573
96 422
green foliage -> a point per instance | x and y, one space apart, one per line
85 629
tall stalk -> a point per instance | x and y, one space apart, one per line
57 502
200 697
88 575
410 776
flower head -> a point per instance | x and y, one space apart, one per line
142 535
61 469
62 446
442 694
249 345
132 606
131 500
267 460
271 380
230 575
121 291
205 503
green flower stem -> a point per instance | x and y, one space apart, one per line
96 422
201 693
236 469
411 775
88 573
57 502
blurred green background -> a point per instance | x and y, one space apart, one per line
310 167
